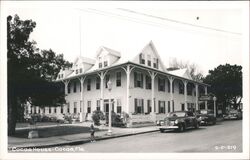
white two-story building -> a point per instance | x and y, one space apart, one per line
141 85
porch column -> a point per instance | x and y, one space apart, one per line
205 94
102 76
185 94
82 113
153 74
196 98
128 83
101 88
128 69
153 110
66 82
171 79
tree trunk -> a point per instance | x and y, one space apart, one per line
12 114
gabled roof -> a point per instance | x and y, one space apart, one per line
181 73
135 50
84 60
126 57
157 55
110 51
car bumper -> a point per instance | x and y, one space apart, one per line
203 122
231 117
167 127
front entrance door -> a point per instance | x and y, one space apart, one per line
182 106
106 108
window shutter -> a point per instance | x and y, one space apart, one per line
141 80
173 106
159 106
135 79
168 86
164 85
164 110
135 105
140 58
173 87
142 110
159 83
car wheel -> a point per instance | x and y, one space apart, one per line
162 130
181 128
196 125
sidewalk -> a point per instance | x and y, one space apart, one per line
75 138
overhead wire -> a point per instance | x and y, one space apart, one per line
148 22
179 22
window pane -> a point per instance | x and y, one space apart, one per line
74 86
97 82
106 80
119 109
118 79
88 84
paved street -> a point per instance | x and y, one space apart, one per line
225 136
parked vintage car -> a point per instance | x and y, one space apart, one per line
179 120
233 114
206 117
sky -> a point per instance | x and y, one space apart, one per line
207 35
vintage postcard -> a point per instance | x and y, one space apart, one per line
124 80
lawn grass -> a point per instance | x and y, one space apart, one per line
55 131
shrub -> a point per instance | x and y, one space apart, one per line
97 116
35 118
68 118
45 118
118 120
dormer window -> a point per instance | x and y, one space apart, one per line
156 63
105 63
60 76
149 60
100 62
142 58
100 65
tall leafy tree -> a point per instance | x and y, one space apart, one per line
195 73
226 84
30 72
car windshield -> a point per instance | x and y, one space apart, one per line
177 114
204 112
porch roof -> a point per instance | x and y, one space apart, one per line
133 64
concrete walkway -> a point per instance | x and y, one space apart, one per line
75 138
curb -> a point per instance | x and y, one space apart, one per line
83 141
